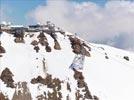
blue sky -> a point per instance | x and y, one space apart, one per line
19 8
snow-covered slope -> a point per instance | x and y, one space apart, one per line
107 73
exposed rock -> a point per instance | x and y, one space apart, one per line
41 35
2 50
22 92
3 97
126 58
44 66
89 48
39 79
81 84
95 97
87 94
67 97
42 39
48 48
54 84
6 77
106 57
68 87
57 45
31 35
34 42
53 35
19 40
43 42
36 48
78 96
78 46
78 75
41 97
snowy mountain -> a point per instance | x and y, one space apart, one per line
42 66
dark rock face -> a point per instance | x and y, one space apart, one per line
48 48
3 97
41 97
22 92
41 35
2 50
81 84
57 45
44 42
19 40
36 48
78 46
34 43
68 87
126 58
96 98
54 84
42 39
6 77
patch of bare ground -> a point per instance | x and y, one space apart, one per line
41 97
42 40
68 87
53 83
22 92
57 45
36 48
3 97
2 49
82 92
19 40
19 36
79 47
34 42
6 77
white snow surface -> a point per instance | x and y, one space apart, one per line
109 79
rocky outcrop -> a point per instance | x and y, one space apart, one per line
36 48
6 77
42 39
2 50
54 84
22 92
48 48
78 46
57 45
3 97
126 58
82 92
19 40
34 43
68 87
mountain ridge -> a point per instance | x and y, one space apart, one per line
33 65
